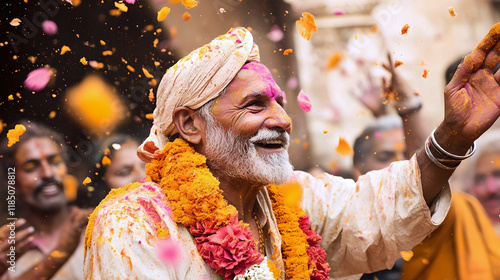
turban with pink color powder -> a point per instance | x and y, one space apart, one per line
195 80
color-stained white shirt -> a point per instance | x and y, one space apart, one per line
364 226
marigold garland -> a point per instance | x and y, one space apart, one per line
294 244
225 243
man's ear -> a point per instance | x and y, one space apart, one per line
191 126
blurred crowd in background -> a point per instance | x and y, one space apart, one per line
376 89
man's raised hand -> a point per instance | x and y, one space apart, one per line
472 98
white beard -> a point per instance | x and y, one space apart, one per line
237 157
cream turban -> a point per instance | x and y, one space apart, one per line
195 80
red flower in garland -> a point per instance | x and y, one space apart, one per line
230 251
201 230
316 254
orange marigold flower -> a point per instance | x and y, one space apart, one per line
14 134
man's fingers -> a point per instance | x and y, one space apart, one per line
462 74
492 58
497 76
478 55
25 234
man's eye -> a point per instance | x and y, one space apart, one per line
56 160
123 172
255 105
29 167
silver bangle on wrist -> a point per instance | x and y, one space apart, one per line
434 159
469 153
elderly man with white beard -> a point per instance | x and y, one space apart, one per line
209 207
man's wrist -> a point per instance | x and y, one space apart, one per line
451 140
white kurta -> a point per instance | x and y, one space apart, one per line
364 226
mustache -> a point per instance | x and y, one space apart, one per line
43 183
267 134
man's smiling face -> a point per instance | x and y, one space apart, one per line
249 134
39 172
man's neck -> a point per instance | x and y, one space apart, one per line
241 195
46 222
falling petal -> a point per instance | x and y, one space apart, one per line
93 102
147 74
83 61
377 134
151 95
344 149
65 49
397 63
292 193
130 1
304 102
105 161
334 60
49 27
52 114
292 83
13 134
149 116
10 97
339 12
306 25
122 7
405 28
15 22
169 251
186 16
452 12
162 14
276 34
189 3
37 79
287 51
406 255
102 43
86 181
426 71
325 131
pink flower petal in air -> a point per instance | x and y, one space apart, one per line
37 79
276 34
304 101
377 134
169 251
130 1
292 83
49 27
339 12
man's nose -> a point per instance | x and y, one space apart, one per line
47 170
278 118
